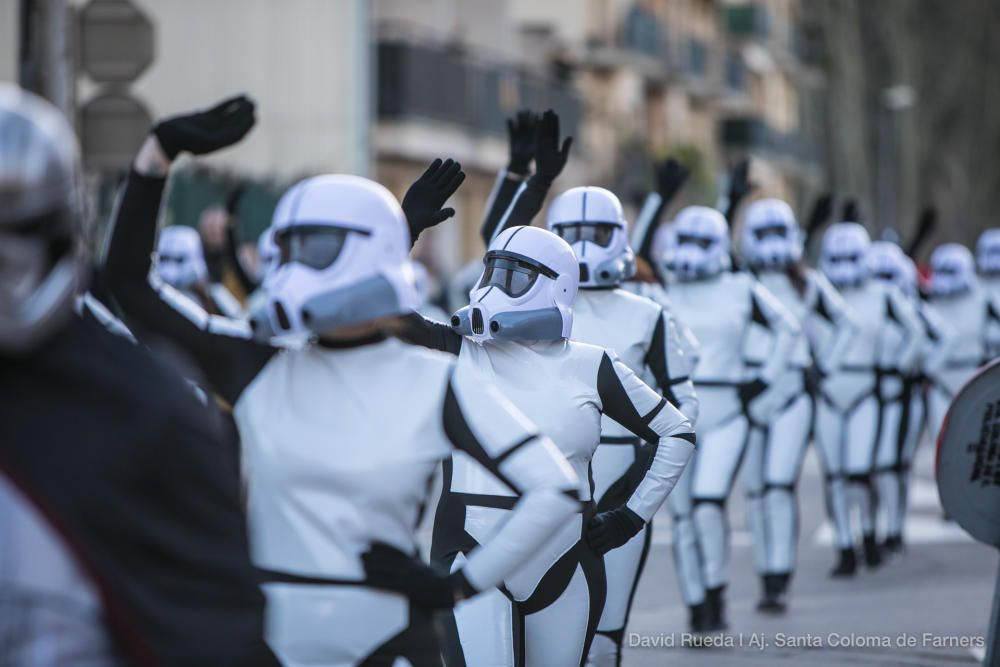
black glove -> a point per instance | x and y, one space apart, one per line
670 176
549 157
426 586
820 214
849 212
423 201
206 131
739 187
926 224
609 530
521 134
751 390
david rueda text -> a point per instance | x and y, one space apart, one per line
781 640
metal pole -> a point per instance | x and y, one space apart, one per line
993 632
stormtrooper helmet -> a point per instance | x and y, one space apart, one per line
988 253
701 243
343 258
887 262
591 220
267 254
180 261
844 254
771 236
953 270
526 290
41 268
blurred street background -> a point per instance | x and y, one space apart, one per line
895 103
889 102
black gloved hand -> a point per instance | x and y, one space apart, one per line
820 214
739 181
425 586
521 135
751 390
926 224
850 212
550 158
610 530
423 202
206 131
670 176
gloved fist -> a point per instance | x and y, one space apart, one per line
550 158
670 176
821 211
739 182
751 390
426 587
521 135
610 530
206 131
423 202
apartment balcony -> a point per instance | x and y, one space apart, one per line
431 98
751 133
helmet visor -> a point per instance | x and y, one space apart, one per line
703 242
770 231
600 233
511 273
315 246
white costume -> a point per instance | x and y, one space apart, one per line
861 401
515 332
643 336
747 339
772 249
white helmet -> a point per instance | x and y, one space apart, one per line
701 238
988 252
888 262
953 269
267 254
526 291
180 261
591 220
41 267
771 236
344 258
844 255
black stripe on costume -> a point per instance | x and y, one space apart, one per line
822 310
461 436
656 361
513 448
617 403
757 315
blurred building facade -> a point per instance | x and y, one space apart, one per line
383 87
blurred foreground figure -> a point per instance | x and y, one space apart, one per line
988 261
121 535
861 402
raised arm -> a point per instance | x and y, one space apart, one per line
418 330
479 421
521 140
550 158
670 177
633 404
222 348
423 203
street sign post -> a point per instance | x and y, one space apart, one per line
968 472
116 41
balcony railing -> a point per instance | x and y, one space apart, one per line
444 85
752 133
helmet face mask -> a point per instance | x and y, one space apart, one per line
953 270
887 263
41 263
988 253
771 236
526 290
699 244
844 255
180 261
342 247
591 220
